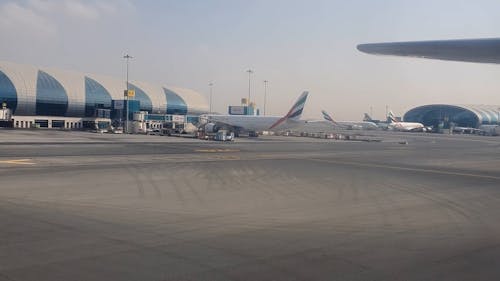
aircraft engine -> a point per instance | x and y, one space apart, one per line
211 128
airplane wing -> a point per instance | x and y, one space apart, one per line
467 50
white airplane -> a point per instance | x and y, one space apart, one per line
350 125
255 123
368 118
380 124
465 130
404 126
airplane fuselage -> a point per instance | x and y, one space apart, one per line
258 123
407 126
254 123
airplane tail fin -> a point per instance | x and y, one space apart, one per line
327 117
392 117
367 118
295 112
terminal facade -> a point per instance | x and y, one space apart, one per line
51 98
448 115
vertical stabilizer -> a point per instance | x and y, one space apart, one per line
368 118
392 117
327 117
295 112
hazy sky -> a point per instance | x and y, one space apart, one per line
296 45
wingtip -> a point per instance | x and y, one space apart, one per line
370 48
362 47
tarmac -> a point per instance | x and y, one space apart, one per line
87 206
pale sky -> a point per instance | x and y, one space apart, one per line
296 45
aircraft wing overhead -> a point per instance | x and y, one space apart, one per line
467 50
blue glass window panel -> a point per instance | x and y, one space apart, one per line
133 106
51 98
175 104
96 96
193 119
142 97
8 92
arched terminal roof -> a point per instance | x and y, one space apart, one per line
30 90
461 115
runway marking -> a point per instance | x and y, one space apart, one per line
227 157
406 169
18 162
217 150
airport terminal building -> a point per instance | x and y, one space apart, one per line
447 115
54 98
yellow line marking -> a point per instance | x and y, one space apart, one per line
18 162
406 169
216 150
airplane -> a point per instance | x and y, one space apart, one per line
380 124
384 125
404 126
350 125
255 123
465 130
368 118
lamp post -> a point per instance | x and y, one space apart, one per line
265 95
249 73
127 57
211 84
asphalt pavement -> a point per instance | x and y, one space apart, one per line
84 206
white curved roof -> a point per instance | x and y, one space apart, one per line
485 114
24 78
190 97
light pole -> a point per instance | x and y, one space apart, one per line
211 86
249 73
265 95
127 57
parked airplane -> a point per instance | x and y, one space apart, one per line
404 126
380 124
465 130
368 118
350 125
255 123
